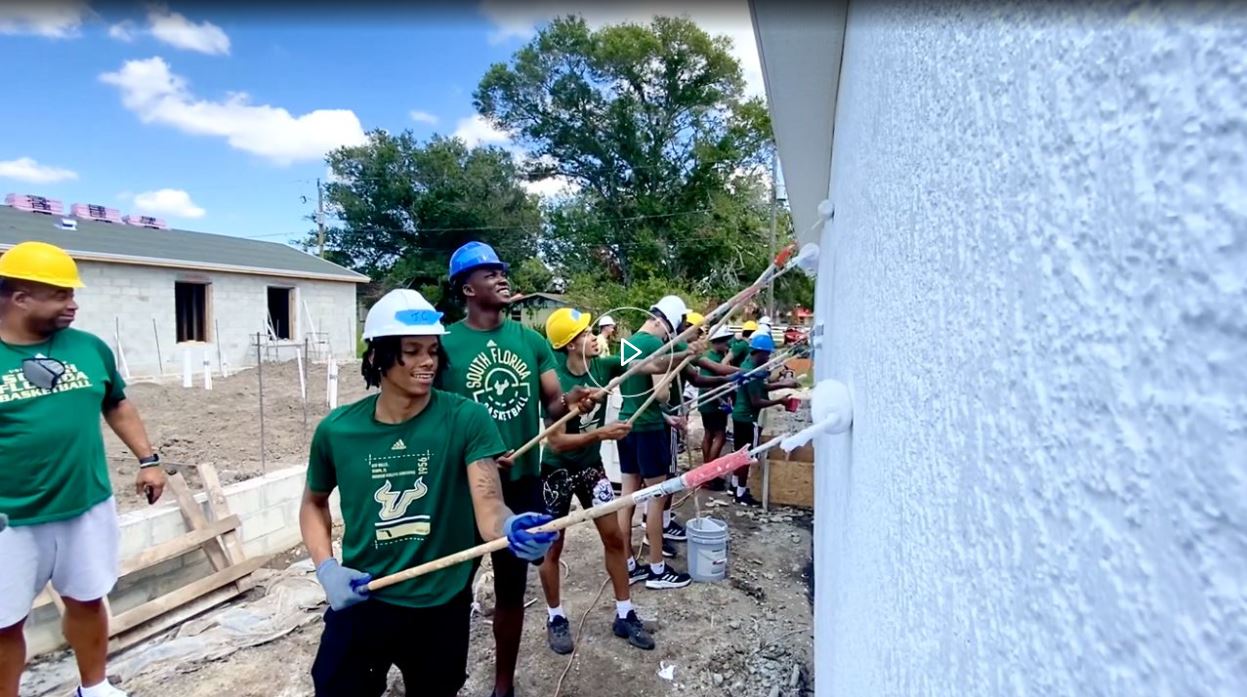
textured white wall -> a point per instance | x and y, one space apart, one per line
136 295
1036 284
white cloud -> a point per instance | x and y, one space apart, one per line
422 116
176 30
173 203
28 170
552 187
154 93
518 19
123 31
55 19
477 130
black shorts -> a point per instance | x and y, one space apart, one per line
522 495
744 434
645 453
587 483
714 422
359 644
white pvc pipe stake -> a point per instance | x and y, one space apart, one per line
298 356
331 391
187 378
207 371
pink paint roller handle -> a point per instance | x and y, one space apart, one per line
715 468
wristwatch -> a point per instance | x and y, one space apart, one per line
153 460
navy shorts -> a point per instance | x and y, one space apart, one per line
646 453
510 572
714 422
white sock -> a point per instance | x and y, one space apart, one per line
556 612
735 480
666 519
658 569
740 490
631 564
622 608
103 689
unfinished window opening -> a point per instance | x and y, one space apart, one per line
192 310
280 302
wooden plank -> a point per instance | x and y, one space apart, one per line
218 509
135 616
195 520
121 641
178 546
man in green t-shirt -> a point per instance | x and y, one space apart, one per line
739 350
510 370
714 412
416 470
751 398
572 466
55 382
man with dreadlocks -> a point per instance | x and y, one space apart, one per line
418 479
510 370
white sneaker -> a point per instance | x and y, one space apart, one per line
104 689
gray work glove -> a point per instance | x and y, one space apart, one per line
343 586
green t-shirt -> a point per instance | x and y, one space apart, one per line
712 406
502 369
743 410
52 466
601 371
738 350
638 388
404 489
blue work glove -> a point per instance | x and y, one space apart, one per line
530 546
744 377
343 586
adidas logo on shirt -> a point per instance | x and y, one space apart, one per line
399 445
491 344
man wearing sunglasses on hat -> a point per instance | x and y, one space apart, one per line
54 486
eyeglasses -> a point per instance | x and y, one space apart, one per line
43 373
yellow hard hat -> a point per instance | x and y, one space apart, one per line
694 318
40 262
565 324
750 326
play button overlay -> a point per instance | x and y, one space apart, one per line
628 352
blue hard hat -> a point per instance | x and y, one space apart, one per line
762 342
474 255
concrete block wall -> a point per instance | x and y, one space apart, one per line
267 506
131 297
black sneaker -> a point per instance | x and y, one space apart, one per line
667 579
747 499
674 531
559 634
638 573
630 628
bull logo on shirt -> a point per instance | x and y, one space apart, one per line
394 521
499 379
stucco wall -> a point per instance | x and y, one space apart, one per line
136 295
1036 284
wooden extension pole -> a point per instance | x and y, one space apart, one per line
689 480
777 267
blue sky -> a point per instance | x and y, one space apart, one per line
218 121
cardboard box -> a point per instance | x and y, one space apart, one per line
792 477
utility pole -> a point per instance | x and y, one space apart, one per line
770 288
320 219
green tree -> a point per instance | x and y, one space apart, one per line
650 123
403 207
531 276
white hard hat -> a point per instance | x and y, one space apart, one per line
722 332
672 309
764 327
402 312
606 321
766 319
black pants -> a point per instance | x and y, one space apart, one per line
359 644
523 495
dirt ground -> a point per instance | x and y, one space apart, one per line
743 636
222 425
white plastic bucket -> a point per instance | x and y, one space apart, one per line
707 549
